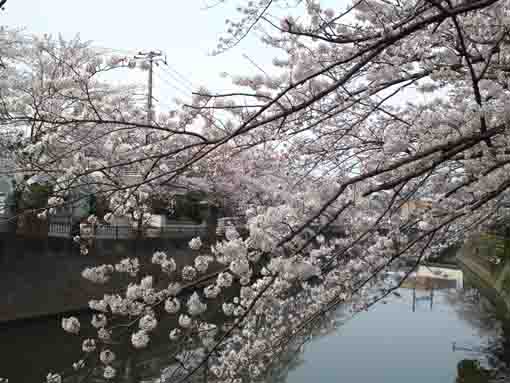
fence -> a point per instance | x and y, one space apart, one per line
129 232
61 230
238 222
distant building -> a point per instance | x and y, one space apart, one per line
411 206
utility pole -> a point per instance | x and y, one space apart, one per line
152 57
149 92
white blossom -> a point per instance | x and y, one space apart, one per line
128 265
202 263
174 288
175 334
89 345
212 291
172 305
99 320
184 321
100 274
71 325
104 334
140 339
159 257
53 378
228 308
148 323
107 356
146 282
195 306
189 273
109 372
195 243
98 305
78 365
168 266
224 279
231 233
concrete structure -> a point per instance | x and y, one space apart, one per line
441 273
407 209
476 255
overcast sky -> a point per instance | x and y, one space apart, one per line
185 30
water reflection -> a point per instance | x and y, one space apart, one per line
490 361
430 331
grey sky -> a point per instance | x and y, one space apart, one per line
183 29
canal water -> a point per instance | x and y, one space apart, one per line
417 335
393 343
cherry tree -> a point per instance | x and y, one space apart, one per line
367 110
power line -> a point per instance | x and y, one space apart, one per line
173 86
178 74
172 82
188 85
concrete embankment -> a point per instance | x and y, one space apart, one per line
41 277
474 259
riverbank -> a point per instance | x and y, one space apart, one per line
472 257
